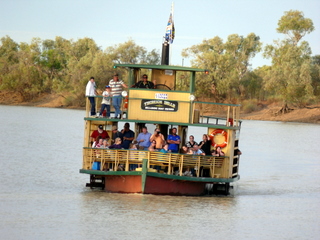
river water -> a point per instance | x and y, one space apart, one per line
43 196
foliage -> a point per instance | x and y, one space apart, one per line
295 25
63 66
290 73
227 62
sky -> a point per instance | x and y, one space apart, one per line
144 21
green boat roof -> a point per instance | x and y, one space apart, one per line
164 67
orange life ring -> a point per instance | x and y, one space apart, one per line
223 133
126 100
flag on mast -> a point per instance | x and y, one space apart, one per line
170 28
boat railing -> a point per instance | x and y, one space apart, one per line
171 163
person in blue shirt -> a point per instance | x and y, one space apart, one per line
174 141
128 136
144 139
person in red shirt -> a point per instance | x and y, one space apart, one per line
99 132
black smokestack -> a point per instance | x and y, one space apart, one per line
165 53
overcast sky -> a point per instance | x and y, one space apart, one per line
113 22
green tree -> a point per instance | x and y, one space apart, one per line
290 73
227 62
315 74
295 25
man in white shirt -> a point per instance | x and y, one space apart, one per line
91 93
116 90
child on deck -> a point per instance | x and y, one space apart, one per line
105 104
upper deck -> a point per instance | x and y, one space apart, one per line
173 101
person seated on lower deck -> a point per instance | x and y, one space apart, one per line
152 147
186 150
197 151
100 132
164 149
133 156
98 143
105 144
117 144
218 152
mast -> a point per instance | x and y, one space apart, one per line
169 36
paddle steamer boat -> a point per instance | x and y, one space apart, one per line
171 104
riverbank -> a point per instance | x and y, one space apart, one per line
311 114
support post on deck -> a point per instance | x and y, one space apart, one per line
144 174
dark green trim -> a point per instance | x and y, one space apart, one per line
160 175
97 172
168 123
144 174
164 67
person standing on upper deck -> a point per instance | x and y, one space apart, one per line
116 89
144 83
174 141
91 93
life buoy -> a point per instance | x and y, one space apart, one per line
126 100
223 133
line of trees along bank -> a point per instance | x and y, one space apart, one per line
64 66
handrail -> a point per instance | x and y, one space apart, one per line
111 159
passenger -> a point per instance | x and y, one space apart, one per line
191 142
128 136
99 133
158 137
152 147
98 143
205 144
174 141
117 144
105 104
144 83
115 134
105 144
91 93
116 90
165 149
144 139
197 150
218 152
133 157
186 150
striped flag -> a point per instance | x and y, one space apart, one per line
170 28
